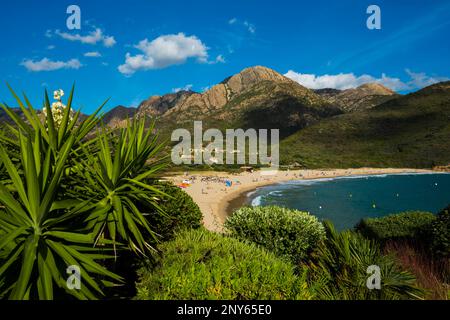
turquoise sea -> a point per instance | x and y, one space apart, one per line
346 200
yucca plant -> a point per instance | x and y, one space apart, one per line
69 200
118 178
341 263
42 235
42 230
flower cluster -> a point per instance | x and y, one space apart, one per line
58 94
58 108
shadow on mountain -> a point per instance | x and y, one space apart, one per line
286 113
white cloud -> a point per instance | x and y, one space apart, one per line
163 52
92 37
393 83
185 88
344 81
339 81
420 80
109 41
220 59
51 47
48 65
250 27
93 54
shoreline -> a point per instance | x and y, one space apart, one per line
216 200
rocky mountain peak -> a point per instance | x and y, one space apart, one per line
250 76
375 88
219 95
365 96
117 116
158 105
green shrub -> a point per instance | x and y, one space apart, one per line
340 267
440 234
199 264
290 233
181 212
406 225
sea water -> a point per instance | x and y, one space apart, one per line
346 200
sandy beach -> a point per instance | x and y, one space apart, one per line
213 196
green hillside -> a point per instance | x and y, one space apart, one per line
409 131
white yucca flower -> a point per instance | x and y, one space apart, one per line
57 94
58 108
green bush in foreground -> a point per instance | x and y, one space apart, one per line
199 264
406 225
341 267
181 212
440 234
290 233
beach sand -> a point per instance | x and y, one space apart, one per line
215 198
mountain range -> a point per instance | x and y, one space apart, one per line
257 97
262 90
406 131
370 125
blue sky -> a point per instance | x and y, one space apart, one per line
196 44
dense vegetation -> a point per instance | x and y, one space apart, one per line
406 225
439 233
181 212
431 231
419 242
341 265
287 232
202 265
